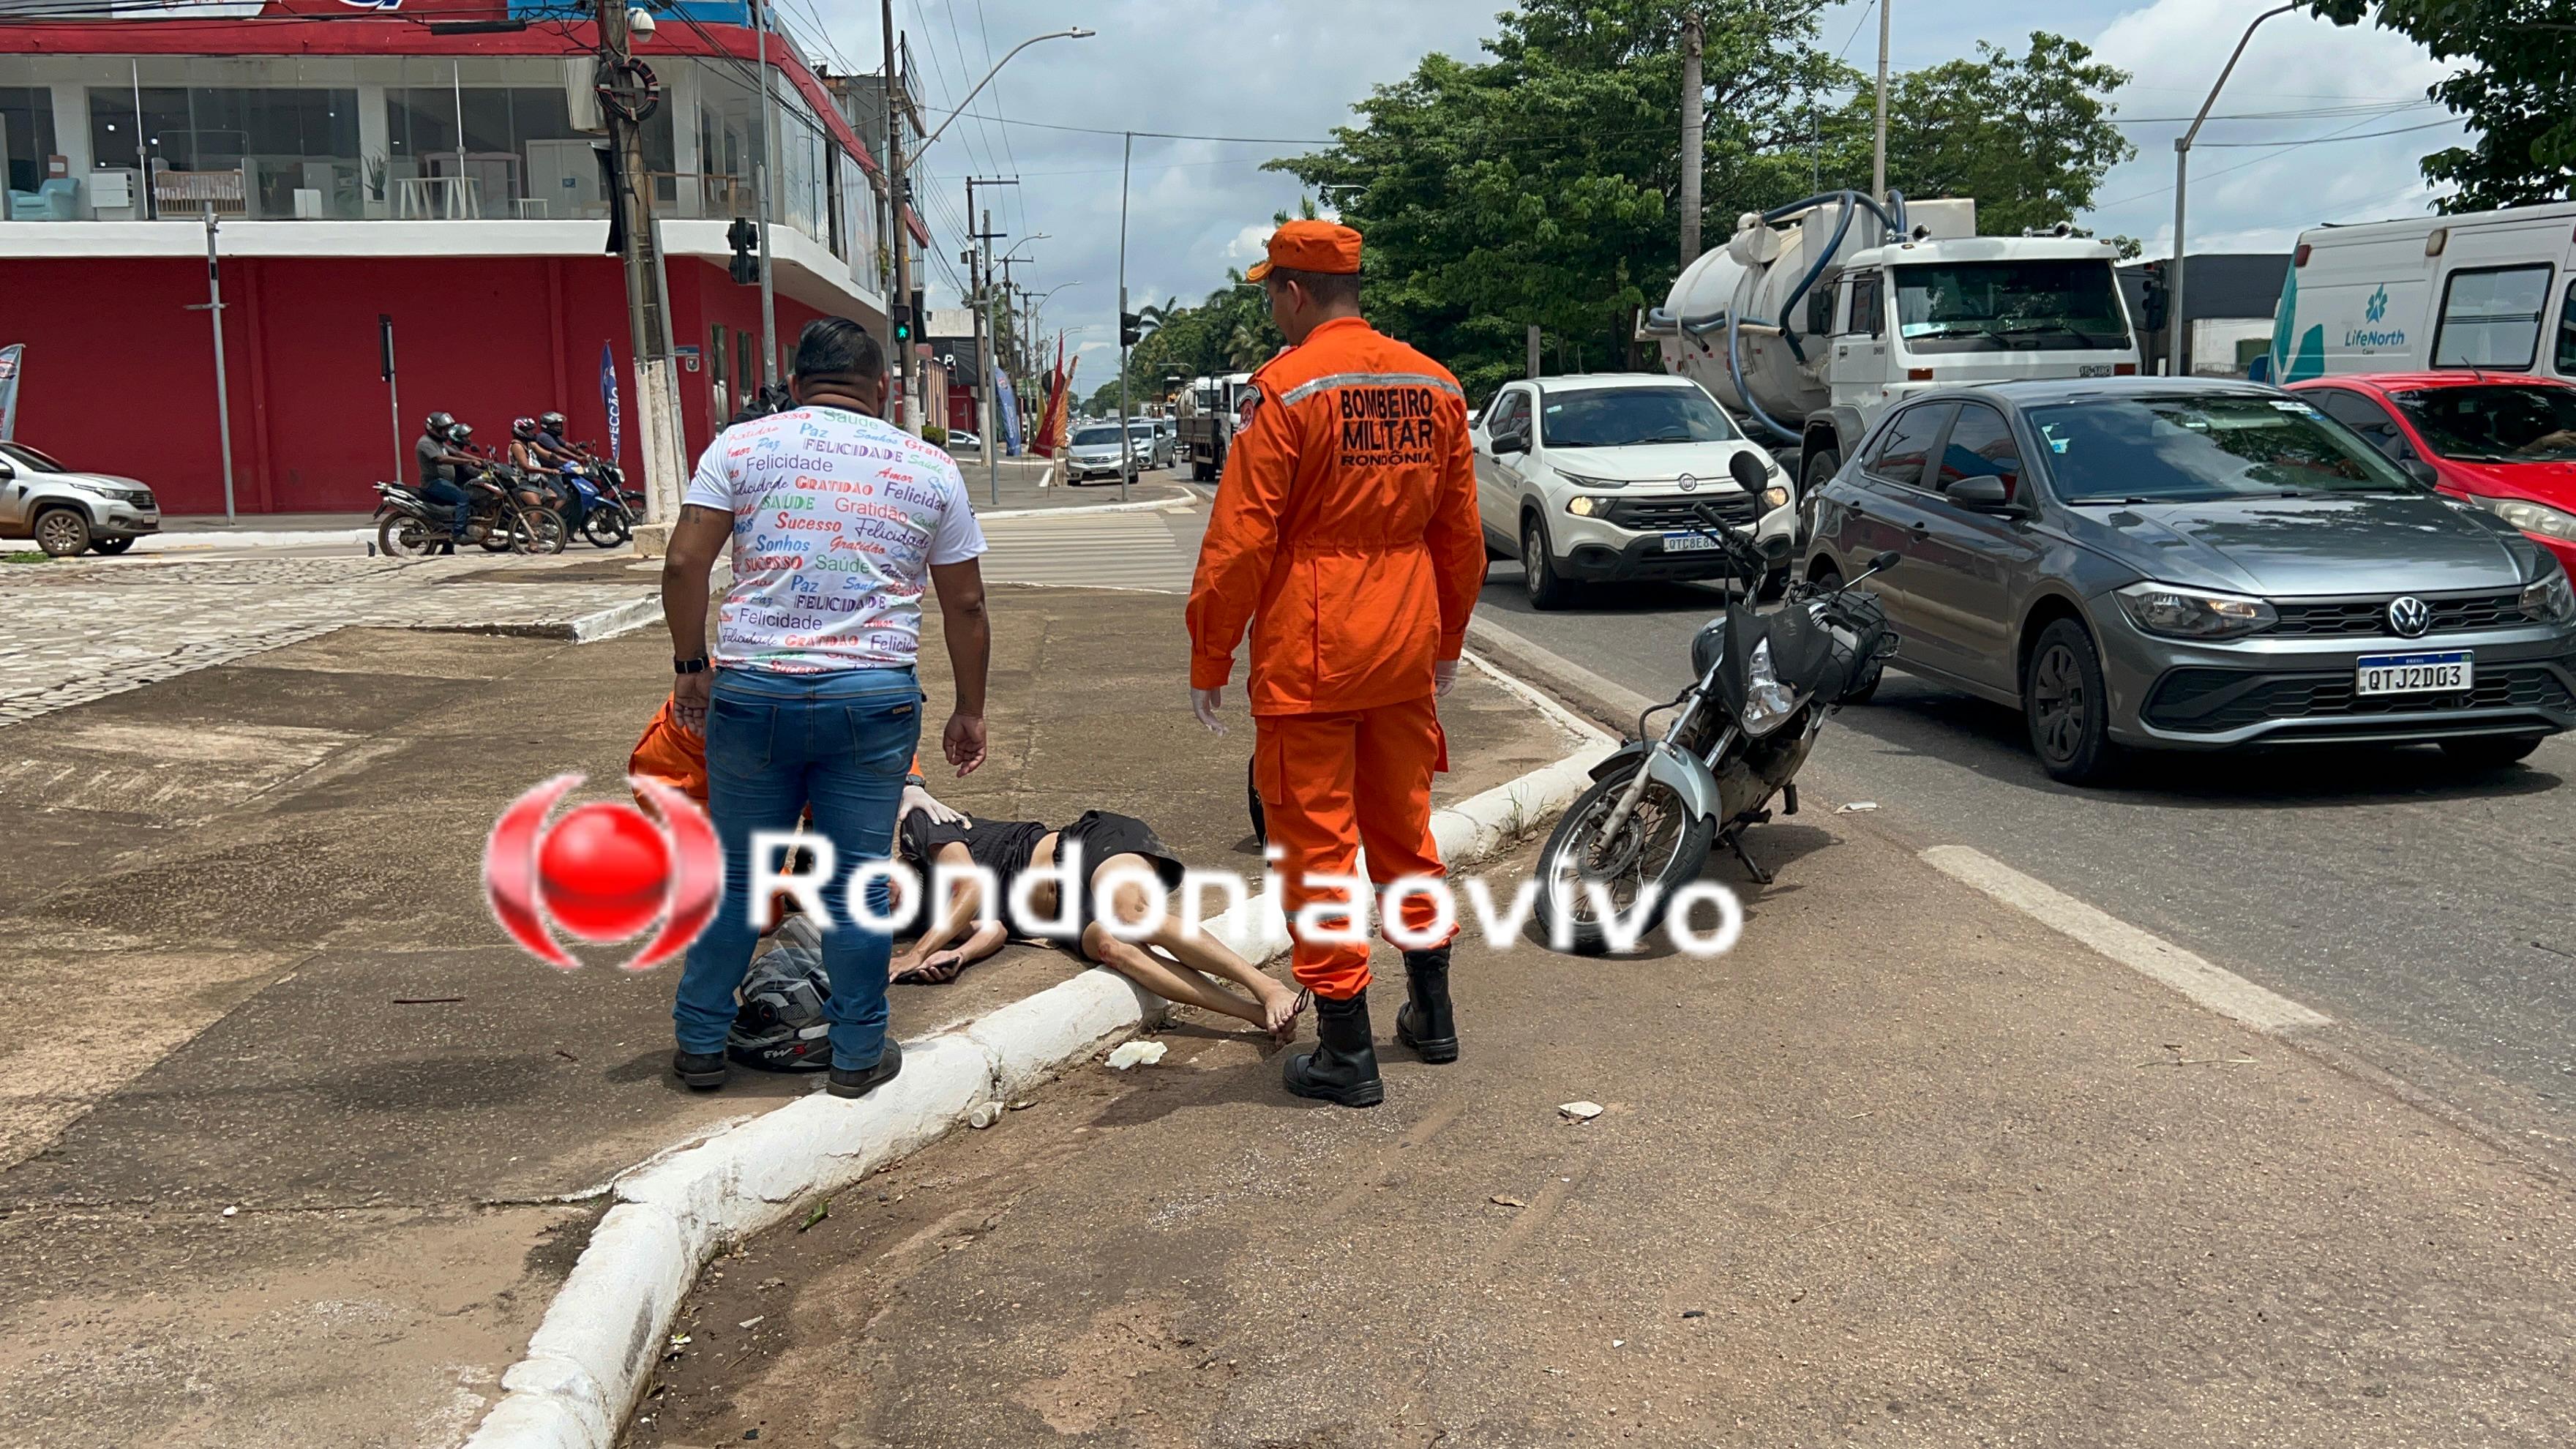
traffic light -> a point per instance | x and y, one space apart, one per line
902 324
2153 299
1129 334
745 240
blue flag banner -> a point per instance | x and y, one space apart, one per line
12 357
1009 407
608 400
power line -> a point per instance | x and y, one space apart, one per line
2286 147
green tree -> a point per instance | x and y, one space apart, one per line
2514 86
1539 186
2029 137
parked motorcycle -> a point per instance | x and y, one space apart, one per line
1766 682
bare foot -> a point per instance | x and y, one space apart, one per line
1280 1009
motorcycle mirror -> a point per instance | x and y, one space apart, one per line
1885 561
1747 471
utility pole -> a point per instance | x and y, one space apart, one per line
1126 459
1694 127
657 395
899 194
1878 153
992 362
760 206
981 305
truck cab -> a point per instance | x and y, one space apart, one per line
1210 410
1915 315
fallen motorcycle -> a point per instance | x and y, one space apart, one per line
1765 684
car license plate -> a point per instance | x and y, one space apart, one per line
1687 542
2449 672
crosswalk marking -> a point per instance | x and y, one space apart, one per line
1102 551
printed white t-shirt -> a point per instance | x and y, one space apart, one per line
837 518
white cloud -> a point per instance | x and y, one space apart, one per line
2300 77
1250 244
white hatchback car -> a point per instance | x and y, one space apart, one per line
1607 477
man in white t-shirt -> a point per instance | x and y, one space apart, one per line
836 520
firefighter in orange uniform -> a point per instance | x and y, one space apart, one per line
1345 536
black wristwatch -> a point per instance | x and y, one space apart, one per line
689 666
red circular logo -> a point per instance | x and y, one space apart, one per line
604 872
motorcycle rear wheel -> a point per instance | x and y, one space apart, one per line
1663 845
404 535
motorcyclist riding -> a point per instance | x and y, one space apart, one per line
443 469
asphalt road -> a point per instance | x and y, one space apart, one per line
2424 908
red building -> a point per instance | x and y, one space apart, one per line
364 164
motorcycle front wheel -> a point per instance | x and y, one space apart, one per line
1660 849
405 535
604 526
538 530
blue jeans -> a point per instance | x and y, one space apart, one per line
447 495
776 743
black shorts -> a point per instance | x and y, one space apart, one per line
1101 835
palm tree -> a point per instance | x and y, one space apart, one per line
1150 318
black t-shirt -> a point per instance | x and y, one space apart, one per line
426 455
1000 846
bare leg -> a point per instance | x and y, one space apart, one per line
1273 1007
1172 983
1200 951
932 957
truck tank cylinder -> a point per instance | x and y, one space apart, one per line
1751 277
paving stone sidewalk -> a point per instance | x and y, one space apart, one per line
87 629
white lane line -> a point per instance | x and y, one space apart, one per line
2214 987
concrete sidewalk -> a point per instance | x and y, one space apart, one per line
245 965
1906 1168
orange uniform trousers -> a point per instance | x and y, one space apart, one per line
1333 783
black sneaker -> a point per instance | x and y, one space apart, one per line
703 1070
859 1081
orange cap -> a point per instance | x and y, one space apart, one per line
1311 246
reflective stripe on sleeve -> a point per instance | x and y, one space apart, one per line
1305 390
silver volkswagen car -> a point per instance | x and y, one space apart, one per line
2195 564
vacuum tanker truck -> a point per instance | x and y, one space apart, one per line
1815 317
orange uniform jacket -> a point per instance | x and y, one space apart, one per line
1344 531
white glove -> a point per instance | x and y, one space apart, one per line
917 798
1444 677
1205 703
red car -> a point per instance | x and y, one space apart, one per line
2504 442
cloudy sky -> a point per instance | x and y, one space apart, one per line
1279 74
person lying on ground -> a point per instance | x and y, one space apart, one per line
1173 961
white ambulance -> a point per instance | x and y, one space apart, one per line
2492 291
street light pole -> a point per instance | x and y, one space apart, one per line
2175 326
1075 32
213 307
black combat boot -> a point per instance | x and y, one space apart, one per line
1343 1066
1424 1022
705 1071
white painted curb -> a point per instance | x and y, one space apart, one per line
610 1323
248 538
